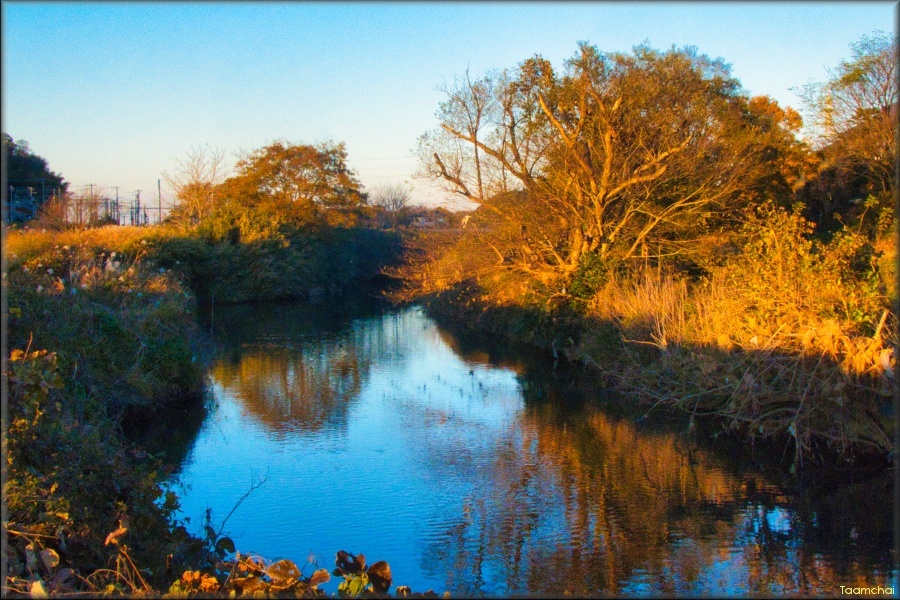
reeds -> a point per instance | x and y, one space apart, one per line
791 339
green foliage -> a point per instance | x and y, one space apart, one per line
25 168
289 266
358 580
71 479
117 338
122 328
353 586
592 274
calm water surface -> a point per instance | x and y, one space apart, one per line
479 471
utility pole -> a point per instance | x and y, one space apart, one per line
159 199
137 211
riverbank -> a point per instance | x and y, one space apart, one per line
789 343
103 342
100 338
76 481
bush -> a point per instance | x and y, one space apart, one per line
590 277
109 320
791 338
72 480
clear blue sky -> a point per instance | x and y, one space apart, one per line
112 93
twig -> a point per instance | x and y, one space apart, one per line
881 322
135 569
793 427
28 347
253 486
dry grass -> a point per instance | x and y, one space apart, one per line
24 244
786 340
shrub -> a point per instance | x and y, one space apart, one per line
72 480
790 338
108 318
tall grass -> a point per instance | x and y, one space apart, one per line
122 327
792 338
27 244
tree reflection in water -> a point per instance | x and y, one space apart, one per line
553 495
295 389
298 367
587 504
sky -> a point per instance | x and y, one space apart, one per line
112 94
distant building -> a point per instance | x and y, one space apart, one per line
22 204
428 221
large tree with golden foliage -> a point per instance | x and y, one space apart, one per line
286 185
618 155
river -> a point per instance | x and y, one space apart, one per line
482 471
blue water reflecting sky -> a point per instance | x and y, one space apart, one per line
375 436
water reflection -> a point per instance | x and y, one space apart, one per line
300 367
480 471
291 389
586 504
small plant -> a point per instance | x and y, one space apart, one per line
218 546
358 580
250 577
590 277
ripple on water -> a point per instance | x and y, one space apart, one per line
382 434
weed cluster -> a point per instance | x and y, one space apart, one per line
786 336
71 479
791 338
122 328
99 335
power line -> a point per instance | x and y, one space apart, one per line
408 156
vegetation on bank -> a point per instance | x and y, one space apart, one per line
639 212
98 336
791 340
103 341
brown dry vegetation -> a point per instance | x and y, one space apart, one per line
638 211
792 336
786 337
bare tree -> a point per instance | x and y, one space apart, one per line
194 182
853 115
393 199
470 117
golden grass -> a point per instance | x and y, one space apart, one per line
24 244
767 363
